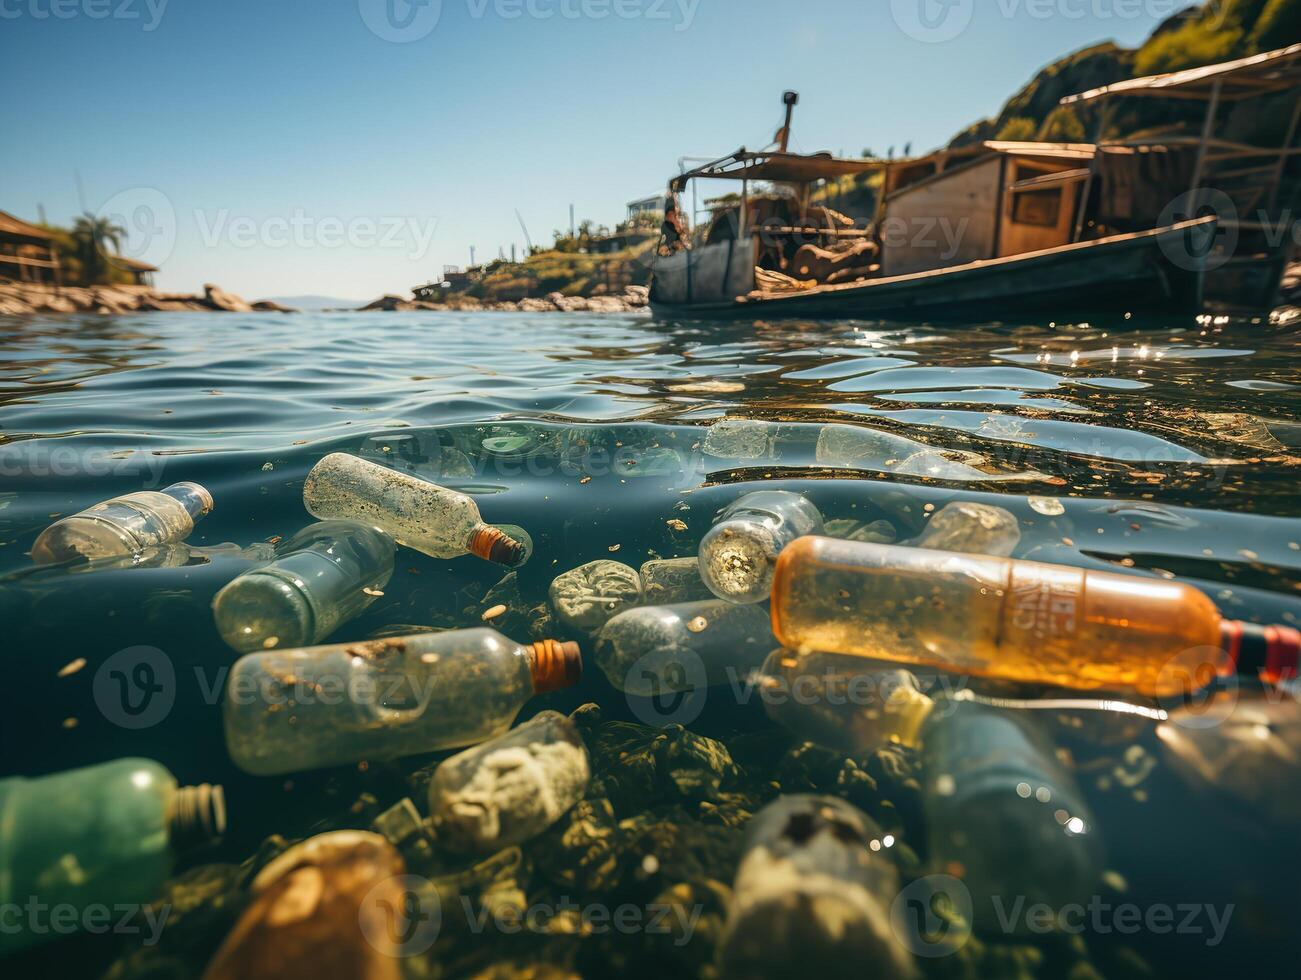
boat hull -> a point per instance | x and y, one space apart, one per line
1158 271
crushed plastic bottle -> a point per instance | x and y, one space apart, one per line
439 522
971 528
999 805
738 554
308 903
1015 620
106 835
292 710
829 699
740 439
584 598
328 573
125 525
510 788
812 897
653 650
858 447
669 580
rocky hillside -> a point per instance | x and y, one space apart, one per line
21 298
1218 30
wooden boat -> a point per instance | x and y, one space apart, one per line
1000 228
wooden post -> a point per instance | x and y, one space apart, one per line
1082 205
1277 182
1208 130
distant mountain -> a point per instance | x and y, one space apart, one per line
317 303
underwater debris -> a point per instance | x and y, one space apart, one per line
584 598
665 581
972 528
738 553
125 525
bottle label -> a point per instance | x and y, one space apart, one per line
1044 607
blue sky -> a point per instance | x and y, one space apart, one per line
353 147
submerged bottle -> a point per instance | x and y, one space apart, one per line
510 788
813 894
738 553
125 525
1001 808
1015 620
104 835
328 573
431 519
669 580
291 710
653 650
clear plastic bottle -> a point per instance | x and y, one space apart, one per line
104 835
510 788
738 554
125 525
431 519
669 580
652 650
1014 620
830 699
1000 807
293 710
812 895
326 575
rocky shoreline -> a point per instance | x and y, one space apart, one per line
632 298
24 298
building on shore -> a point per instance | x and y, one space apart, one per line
27 253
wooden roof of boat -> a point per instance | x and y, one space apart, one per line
134 265
795 168
17 228
1260 74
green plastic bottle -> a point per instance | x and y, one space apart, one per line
102 836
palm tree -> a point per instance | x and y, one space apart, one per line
94 234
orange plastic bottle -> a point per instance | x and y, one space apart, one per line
1016 620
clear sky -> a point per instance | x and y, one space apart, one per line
353 147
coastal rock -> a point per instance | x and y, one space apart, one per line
219 299
271 306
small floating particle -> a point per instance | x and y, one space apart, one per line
268 466
676 525
71 668
1048 506
709 387
614 547
494 612
586 479
69 723
270 643
274 539
1249 555
698 625
369 591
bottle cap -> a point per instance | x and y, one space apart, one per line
556 665
196 816
1271 652
493 544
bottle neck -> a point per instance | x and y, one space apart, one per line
493 544
196 499
555 665
1268 652
196 817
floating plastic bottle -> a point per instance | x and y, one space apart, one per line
669 580
328 574
971 528
125 525
307 907
431 519
510 788
1000 807
1015 620
293 710
105 835
829 699
584 598
738 554
654 650
812 897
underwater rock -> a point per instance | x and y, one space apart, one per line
584 598
506 790
971 528
811 898
319 910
